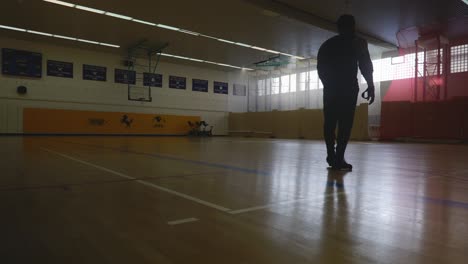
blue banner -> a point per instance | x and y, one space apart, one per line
59 69
21 63
94 73
152 79
200 85
176 82
220 88
124 76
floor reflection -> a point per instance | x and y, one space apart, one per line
335 221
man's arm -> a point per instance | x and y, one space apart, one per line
367 69
323 64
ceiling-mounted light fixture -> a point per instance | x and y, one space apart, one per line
98 11
58 36
204 61
118 16
89 9
60 3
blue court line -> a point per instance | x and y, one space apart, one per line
198 162
445 202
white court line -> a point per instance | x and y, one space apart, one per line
149 184
182 221
262 207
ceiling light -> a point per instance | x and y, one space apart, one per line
60 3
98 11
63 37
88 41
167 55
167 27
118 16
227 41
59 36
144 22
272 51
243 45
109 45
189 32
39 33
202 61
13 28
258 48
465 1
197 60
210 37
180 57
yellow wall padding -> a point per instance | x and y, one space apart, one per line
311 123
361 124
302 123
59 121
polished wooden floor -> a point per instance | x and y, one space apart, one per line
227 200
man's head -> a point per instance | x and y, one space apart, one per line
346 25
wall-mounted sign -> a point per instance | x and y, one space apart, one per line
177 82
21 63
240 89
94 73
59 69
200 85
125 76
220 88
152 79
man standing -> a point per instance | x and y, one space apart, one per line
338 61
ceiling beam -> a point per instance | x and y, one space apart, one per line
303 16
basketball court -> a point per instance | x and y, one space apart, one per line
192 132
166 200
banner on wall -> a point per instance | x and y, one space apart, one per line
59 69
176 82
21 63
200 85
220 88
125 76
240 89
58 121
94 73
152 79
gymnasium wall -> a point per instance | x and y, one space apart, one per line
77 94
302 123
403 90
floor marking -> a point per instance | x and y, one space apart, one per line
262 207
149 184
176 158
182 221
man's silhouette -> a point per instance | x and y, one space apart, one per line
338 62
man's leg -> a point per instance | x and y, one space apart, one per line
330 114
345 126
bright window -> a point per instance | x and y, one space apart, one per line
285 84
275 85
459 59
313 80
261 87
303 79
293 87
